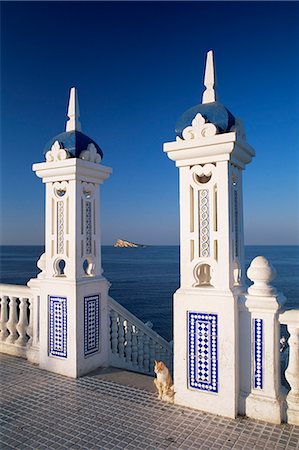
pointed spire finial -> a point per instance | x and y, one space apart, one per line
209 94
73 112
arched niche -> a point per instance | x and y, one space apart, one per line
203 275
59 267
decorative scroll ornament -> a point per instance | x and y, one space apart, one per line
90 154
57 153
199 129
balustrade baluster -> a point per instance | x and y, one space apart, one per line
134 347
113 331
22 324
158 352
163 355
146 352
30 326
291 375
121 338
290 318
128 342
151 355
3 318
12 321
166 359
140 349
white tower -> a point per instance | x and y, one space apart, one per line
210 151
73 299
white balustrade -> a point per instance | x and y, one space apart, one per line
17 325
134 345
290 318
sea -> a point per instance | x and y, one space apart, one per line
143 280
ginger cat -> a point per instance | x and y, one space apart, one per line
163 382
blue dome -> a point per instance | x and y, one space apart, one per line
215 113
74 142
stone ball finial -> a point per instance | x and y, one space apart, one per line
261 272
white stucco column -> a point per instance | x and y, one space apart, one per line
73 313
210 154
264 401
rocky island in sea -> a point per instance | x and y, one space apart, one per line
122 243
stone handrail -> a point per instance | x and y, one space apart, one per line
290 318
18 332
134 345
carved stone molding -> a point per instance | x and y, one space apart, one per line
57 153
199 129
90 154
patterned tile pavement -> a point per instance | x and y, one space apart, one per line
41 410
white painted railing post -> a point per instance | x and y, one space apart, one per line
264 401
13 320
140 349
152 353
34 317
146 352
113 317
121 337
134 348
129 342
23 322
4 318
291 319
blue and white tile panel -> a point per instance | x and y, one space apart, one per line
91 324
88 229
203 351
258 353
58 326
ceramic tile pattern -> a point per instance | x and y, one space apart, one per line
58 326
91 324
203 357
40 410
258 353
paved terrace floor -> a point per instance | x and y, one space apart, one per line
41 410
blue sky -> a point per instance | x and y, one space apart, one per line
138 67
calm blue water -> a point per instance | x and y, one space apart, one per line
144 279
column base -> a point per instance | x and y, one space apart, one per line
33 355
264 408
292 410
